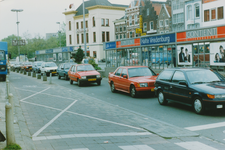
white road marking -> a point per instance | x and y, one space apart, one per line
80 149
30 86
136 147
34 94
195 146
90 135
56 117
207 126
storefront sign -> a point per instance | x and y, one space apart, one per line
71 49
64 49
110 45
57 50
128 43
49 51
169 38
203 34
140 21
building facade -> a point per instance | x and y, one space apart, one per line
164 23
120 28
178 15
99 27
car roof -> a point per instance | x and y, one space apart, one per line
186 69
133 66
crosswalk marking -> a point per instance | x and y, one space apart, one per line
195 146
136 147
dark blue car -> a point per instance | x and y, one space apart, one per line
203 89
63 70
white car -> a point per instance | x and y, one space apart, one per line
48 67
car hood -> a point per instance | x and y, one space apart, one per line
51 68
143 79
211 88
88 73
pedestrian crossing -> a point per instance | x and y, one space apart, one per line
192 145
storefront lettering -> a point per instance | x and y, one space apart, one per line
201 33
158 39
127 42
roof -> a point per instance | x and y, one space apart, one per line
157 6
94 3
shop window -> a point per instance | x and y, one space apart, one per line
213 14
206 15
107 37
103 36
78 39
94 37
220 12
69 25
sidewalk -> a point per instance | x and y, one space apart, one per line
53 117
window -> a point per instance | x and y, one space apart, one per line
130 20
107 36
178 76
124 35
87 38
70 39
136 19
107 22
118 72
197 13
82 38
69 25
189 9
166 22
124 72
161 23
78 39
131 34
213 14
93 21
117 29
121 28
94 36
124 28
82 25
103 22
86 24
120 36
77 25
206 15
166 75
148 12
117 36
220 12
151 25
145 27
103 36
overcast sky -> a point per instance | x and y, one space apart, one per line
38 17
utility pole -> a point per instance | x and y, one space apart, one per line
84 29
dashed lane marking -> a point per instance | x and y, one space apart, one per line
195 145
207 126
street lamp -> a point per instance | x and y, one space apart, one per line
17 10
59 34
84 26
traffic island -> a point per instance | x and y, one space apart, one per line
29 73
34 75
38 76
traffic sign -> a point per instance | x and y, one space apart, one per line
18 42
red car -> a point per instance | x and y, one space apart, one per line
132 79
84 73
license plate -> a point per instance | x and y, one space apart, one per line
219 106
53 72
152 90
91 79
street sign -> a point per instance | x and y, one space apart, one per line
143 34
138 30
18 42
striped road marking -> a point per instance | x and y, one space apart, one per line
136 147
195 146
207 126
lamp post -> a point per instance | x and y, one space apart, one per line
84 29
59 34
17 10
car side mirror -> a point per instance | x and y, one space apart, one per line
124 76
183 83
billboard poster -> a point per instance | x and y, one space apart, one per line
60 56
217 56
54 57
184 54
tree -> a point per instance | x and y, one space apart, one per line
79 55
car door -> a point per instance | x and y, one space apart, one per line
124 82
116 78
179 92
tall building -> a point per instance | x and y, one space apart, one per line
178 15
99 17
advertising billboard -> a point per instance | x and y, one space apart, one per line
184 54
217 56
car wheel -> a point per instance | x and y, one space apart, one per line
198 105
161 98
59 76
66 77
78 82
98 82
71 81
112 86
133 92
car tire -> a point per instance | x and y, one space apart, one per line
112 86
71 81
198 105
133 92
66 77
59 76
78 82
161 98
98 82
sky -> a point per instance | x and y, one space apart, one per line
38 17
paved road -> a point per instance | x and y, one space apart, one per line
64 116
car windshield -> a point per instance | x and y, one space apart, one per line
50 65
139 72
85 68
202 76
67 66
2 55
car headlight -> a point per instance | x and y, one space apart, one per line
215 96
98 76
220 96
83 77
47 70
142 85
